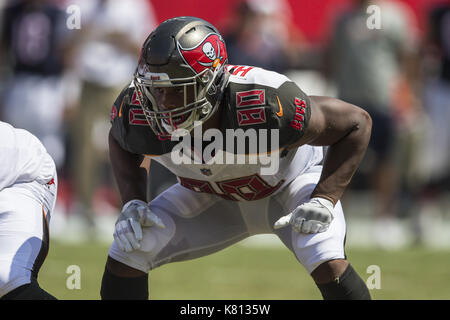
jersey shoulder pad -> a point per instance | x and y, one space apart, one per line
249 75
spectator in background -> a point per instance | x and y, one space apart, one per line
434 166
262 34
437 96
369 67
108 47
34 42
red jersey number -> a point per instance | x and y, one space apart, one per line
248 188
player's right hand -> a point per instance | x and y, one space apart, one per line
128 230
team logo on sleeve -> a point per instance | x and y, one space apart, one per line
113 113
207 54
300 107
134 99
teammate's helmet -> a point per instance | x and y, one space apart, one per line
188 53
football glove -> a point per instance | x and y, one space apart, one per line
128 230
313 216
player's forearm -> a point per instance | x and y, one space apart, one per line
130 177
342 160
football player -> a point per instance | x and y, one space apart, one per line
182 79
28 186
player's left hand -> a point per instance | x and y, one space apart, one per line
314 216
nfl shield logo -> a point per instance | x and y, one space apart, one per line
206 172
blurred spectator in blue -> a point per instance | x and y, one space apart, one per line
108 47
35 93
262 34
375 67
436 159
434 164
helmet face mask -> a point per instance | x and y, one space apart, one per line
197 75
182 116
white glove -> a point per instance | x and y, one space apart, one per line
128 231
313 216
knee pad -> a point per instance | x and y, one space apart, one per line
349 286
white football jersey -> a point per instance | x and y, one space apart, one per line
23 158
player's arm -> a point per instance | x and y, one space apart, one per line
346 129
132 183
131 178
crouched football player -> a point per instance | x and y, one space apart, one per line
183 79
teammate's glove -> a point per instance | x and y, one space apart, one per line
313 216
128 230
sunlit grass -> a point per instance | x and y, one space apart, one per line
242 272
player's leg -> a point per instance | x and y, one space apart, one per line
337 280
29 291
122 282
322 254
197 224
24 240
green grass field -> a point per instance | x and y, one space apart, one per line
243 272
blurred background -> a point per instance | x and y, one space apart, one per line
63 63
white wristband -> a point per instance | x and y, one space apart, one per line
324 202
131 202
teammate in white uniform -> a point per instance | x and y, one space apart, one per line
28 185
183 79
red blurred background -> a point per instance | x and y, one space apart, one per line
312 17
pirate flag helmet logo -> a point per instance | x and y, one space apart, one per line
209 53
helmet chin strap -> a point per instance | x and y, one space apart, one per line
184 125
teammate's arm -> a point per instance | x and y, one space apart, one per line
346 129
